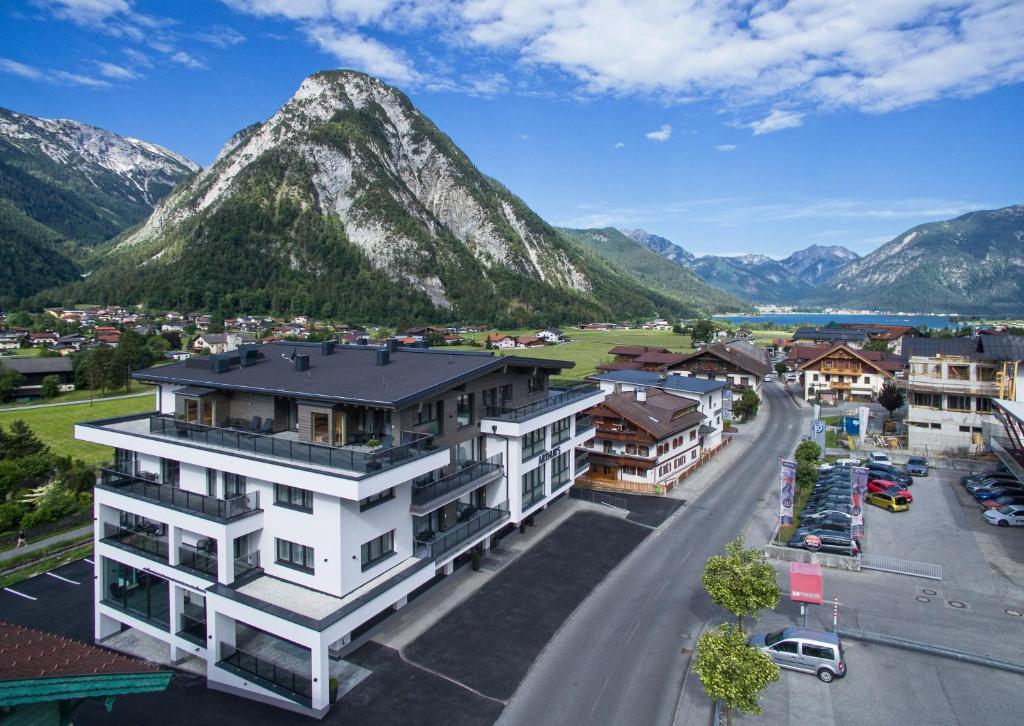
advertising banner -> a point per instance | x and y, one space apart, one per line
859 490
787 490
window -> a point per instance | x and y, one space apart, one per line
535 384
377 549
234 485
141 594
171 471
560 471
630 470
958 403
693 434
693 454
786 646
293 555
429 416
867 379
211 482
815 377
958 372
983 405
630 448
464 410
319 426
818 651
928 400
374 499
533 486
532 443
560 430
643 451
608 447
192 410
293 498
662 448
124 461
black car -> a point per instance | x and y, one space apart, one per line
889 473
835 542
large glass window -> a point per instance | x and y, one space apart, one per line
211 482
234 485
958 403
171 471
928 400
377 549
374 499
984 405
192 410
293 498
560 471
295 555
560 430
533 443
138 593
429 417
533 486
535 384
319 426
464 410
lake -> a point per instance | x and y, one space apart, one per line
823 319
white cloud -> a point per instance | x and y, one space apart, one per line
221 37
524 137
662 134
364 54
808 55
187 60
138 58
86 12
777 120
56 77
726 147
619 145
119 73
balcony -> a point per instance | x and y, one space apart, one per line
198 560
557 397
472 475
222 510
193 624
286 446
269 675
147 543
247 564
584 424
582 463
477 523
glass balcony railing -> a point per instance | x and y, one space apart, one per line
139 487
193 625
582 463
269 675
469 473
349 458
557 397
475 522
147 543
246 564
192 558
584 424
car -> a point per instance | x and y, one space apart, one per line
769 378
989 483
878 457
885 500
812 512
988 476
1012 515
884 471
804 649
1001 469
820 527
831 516
832 542
847 462
917 466
983 495
882 485
1002 501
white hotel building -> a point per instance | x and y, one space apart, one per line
284 495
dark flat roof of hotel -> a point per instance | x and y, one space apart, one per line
687 384
349 375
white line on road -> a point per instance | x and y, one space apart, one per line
73 582
20 594
88 560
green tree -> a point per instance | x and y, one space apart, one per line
732 671
20 441
746 407
877 345
891 397
51 387
781 368
158 345
703 331
741 581
10 379
807 451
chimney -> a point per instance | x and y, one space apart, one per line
302 362
641 394
383 356
327 347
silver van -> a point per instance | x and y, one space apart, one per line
803 649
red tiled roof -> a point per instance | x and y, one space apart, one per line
661 359
661 415
29 654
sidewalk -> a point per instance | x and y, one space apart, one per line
68 536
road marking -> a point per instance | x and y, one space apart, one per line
20 594
63 578
88 560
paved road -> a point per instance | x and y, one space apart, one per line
71 534
620 658
98 399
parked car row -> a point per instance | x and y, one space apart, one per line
827 518
1001 495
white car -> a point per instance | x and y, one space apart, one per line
1012 515
847 462
769 378
880 458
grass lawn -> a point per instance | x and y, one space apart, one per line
56 425
587 348
81 395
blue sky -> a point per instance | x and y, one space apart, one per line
759 126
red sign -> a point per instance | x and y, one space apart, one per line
805 582
812 542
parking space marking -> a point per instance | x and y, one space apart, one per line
20 594
73 582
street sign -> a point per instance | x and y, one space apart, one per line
812 542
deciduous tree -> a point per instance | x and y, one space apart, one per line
741 581
746 407
50 387
732 671
891 397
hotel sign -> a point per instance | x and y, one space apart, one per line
550 454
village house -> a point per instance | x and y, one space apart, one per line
738 363
843 373
551 335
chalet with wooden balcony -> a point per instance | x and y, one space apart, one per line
843 373
738 363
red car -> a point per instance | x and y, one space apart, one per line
890 487
1000 502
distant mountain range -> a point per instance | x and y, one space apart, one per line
65 185
350 203
662 246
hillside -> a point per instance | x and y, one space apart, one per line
817 263
350 203
666 248
65 185
973 264
651 269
